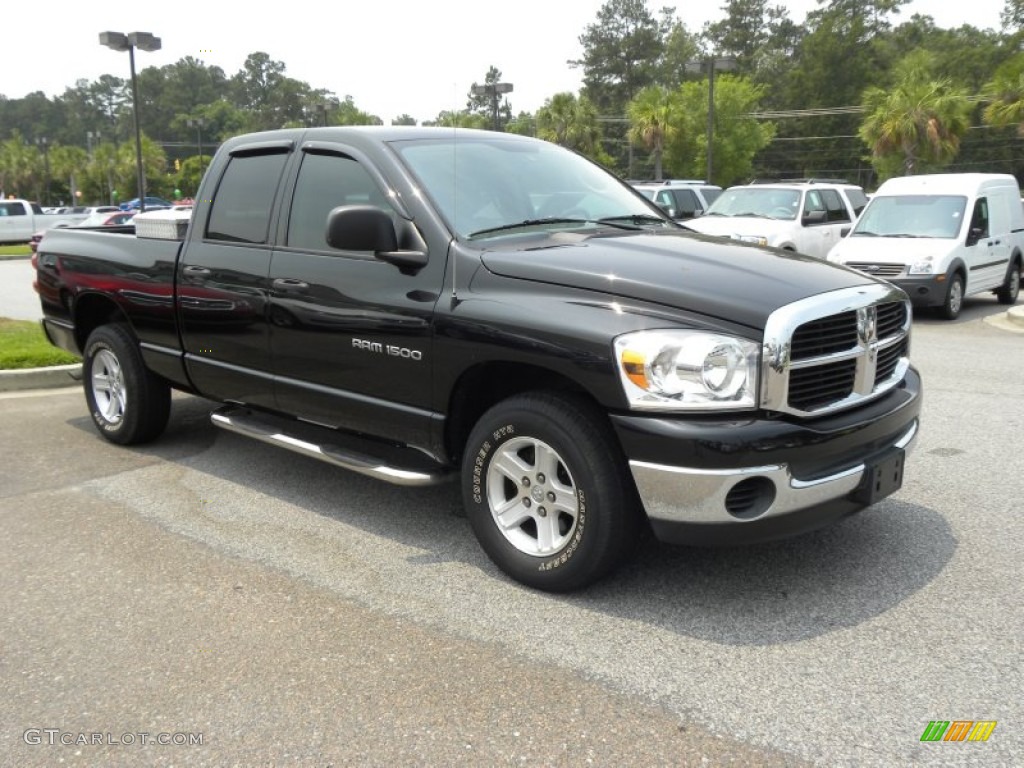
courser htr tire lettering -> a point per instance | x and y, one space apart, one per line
127 402
546 492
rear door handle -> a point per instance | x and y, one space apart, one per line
197 271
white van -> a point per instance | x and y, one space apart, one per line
941 237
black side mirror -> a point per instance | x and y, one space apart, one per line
974 234
368 228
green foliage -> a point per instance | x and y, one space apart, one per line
621 51
23 345
916 125
654 119
738 137
572 122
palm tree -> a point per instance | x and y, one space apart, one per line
18 162
571 122
1005 97
653 121
917 122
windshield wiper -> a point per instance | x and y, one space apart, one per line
634 218
528 223
864 233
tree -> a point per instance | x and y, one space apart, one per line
17 166
485 103
1004 95
621 51
916 124
571 122
461 119
654 119
737 136
404 119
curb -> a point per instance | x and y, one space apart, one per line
41 378
1010 320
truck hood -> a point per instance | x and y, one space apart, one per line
728 226
890 250
717 278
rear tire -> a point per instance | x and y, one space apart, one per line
127 402
1011 285
547 491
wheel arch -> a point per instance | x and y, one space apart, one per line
486 384
93 310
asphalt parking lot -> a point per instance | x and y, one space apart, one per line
294 614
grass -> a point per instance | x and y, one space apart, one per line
15 251
23 345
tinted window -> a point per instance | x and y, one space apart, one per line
834 205
324 183
710 194
12 209
857 199
686 203
245 197
979 221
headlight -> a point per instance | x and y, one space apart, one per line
922 267
756 239
687 370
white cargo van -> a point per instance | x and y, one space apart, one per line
941 237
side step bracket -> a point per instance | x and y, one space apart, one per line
383 461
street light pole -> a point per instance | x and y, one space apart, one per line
198 124
145 41
493 90
725 64
43 143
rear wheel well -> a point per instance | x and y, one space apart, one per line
486 385
92 311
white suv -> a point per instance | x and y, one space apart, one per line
680 199
804 215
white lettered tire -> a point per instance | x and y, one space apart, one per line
547 491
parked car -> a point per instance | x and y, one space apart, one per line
152 203
804 215
680 199
107 219
941 237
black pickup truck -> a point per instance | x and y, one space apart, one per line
421 303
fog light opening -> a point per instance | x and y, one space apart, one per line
750 498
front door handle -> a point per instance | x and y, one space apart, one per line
290 284
197 271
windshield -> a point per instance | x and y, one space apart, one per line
912 216
766 202
493 186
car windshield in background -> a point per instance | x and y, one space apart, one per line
938 216
764 202
490 187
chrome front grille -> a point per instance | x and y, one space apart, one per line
835 351
876 269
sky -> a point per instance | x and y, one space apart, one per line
392 57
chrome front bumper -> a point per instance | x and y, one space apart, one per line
690 496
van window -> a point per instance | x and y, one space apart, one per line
979 220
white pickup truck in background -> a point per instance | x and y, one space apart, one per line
20 219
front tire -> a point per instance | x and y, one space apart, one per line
547 491
127 402
954 302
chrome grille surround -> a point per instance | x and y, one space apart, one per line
879 316
877 268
